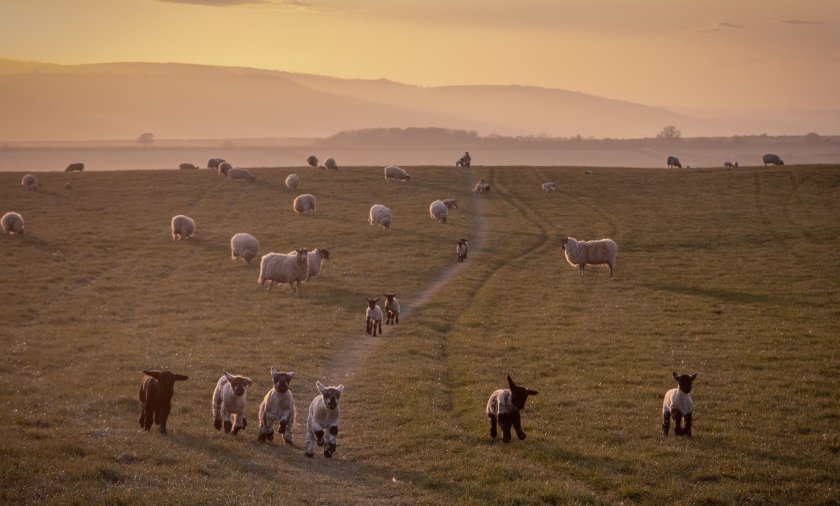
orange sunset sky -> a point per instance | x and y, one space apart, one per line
709 53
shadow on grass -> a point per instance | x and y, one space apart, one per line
730 295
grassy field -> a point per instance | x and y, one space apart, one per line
732 274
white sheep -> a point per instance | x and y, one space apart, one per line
481 186
379 215
438 211
12 223
312 160
677 404
229 399
329 163
244 247
392 309
373 317
239 174
183 227
323 416
549 186
224 167
398 173
29 182
462 249
315 258
304 203
598 252
451 203
278 406
503 409
292 181
279 268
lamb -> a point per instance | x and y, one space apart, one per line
393 172
673 161
224 167
78 167
304 203
187 166
244 247
183 227
379 215
677 405
323 415
481 186
229 400
730 165
29 182
12 223
464 161
463 248
214 163
599 252
315 258
156 390
438 211
312 160
238 174
772 159
278 406
279 268
450 203
292 181
503 408
329 163
373 317
392 309
549 186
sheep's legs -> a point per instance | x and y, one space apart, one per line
493 432
505 421
368 325
666 422
517 425
161 417
331 442
687 430
678 431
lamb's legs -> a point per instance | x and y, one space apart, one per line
505 422
678 431
493 432
666 422
517 425
687 430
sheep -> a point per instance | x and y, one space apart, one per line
280 268
312 160
503 409
315 258
379 215
187 166
224 167
464 161
373 317
229 400
239 174
450 203
304 203
68 185
730 165
673 161
677 404
438 211
183 227
12 223
462 249
278 406
772 159
214 163
392 309
323 415
292 181
549 186
29 182
481 186
393 172
244 247
78 167
598 252
329 163
156 390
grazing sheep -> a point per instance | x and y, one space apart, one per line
503 409
67 185
463 248
156 390
224 167
292 181
329 163
214 163
238 174
772 159
549 186
373 317
280 268
29 182
588 172
312 160
183 227
677 405
278 406
323 415
315 258
481 186
379 215
598 252
464 161
450 203
12 223
730 165
77 167
673 161
229 400
304 203
438 211
392 309
393 172
187 166
244 247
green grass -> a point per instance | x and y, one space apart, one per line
728 273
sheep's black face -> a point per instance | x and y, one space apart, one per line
685 381
331 396
563 244
282 381
166 382
372 302
518 394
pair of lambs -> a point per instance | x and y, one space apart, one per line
599 252
12 223
329 162
293 268
373 313
439 209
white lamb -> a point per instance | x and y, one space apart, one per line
379 215
12 223
183 227
398 173
599 252
244 247
29 182
392 309
279 268
329 163
323 415
549 186
438 211
278 406
481 186
373 317
304 203
677 405
292 181
315 258
462 249
239 174
229 399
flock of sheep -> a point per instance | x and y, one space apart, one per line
768 159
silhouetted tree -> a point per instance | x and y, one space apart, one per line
669 132
147 139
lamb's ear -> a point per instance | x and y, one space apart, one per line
340 389
230 377
693 376
247 381
532 392
291 375
320 386
273 371
676 376
154 374
180 377
511 384
376 300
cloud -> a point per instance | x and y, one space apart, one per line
228 3
801 22
719 27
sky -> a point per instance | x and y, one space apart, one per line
721 54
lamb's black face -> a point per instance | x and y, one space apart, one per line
331 396
518 394
282 381
563 244
685 381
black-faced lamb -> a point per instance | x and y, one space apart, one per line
677 405
396 173
187 166
183 227
228 403
279 268
598 252
12 223
312 160
673 161
278 406
224 167
771 159
244 247
462 249
304 203
323 416
240 174
75 167
29 182
438 211
373 317
292 181
379 215
392 309
156 390
329 163
503 409
481 186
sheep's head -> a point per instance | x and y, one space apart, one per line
463 242
684 381
301 256
372 302
563 242
330 394
166 381
519 394
238 383
324 254
281 380
390 297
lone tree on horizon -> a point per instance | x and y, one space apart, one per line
669 132
147 139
